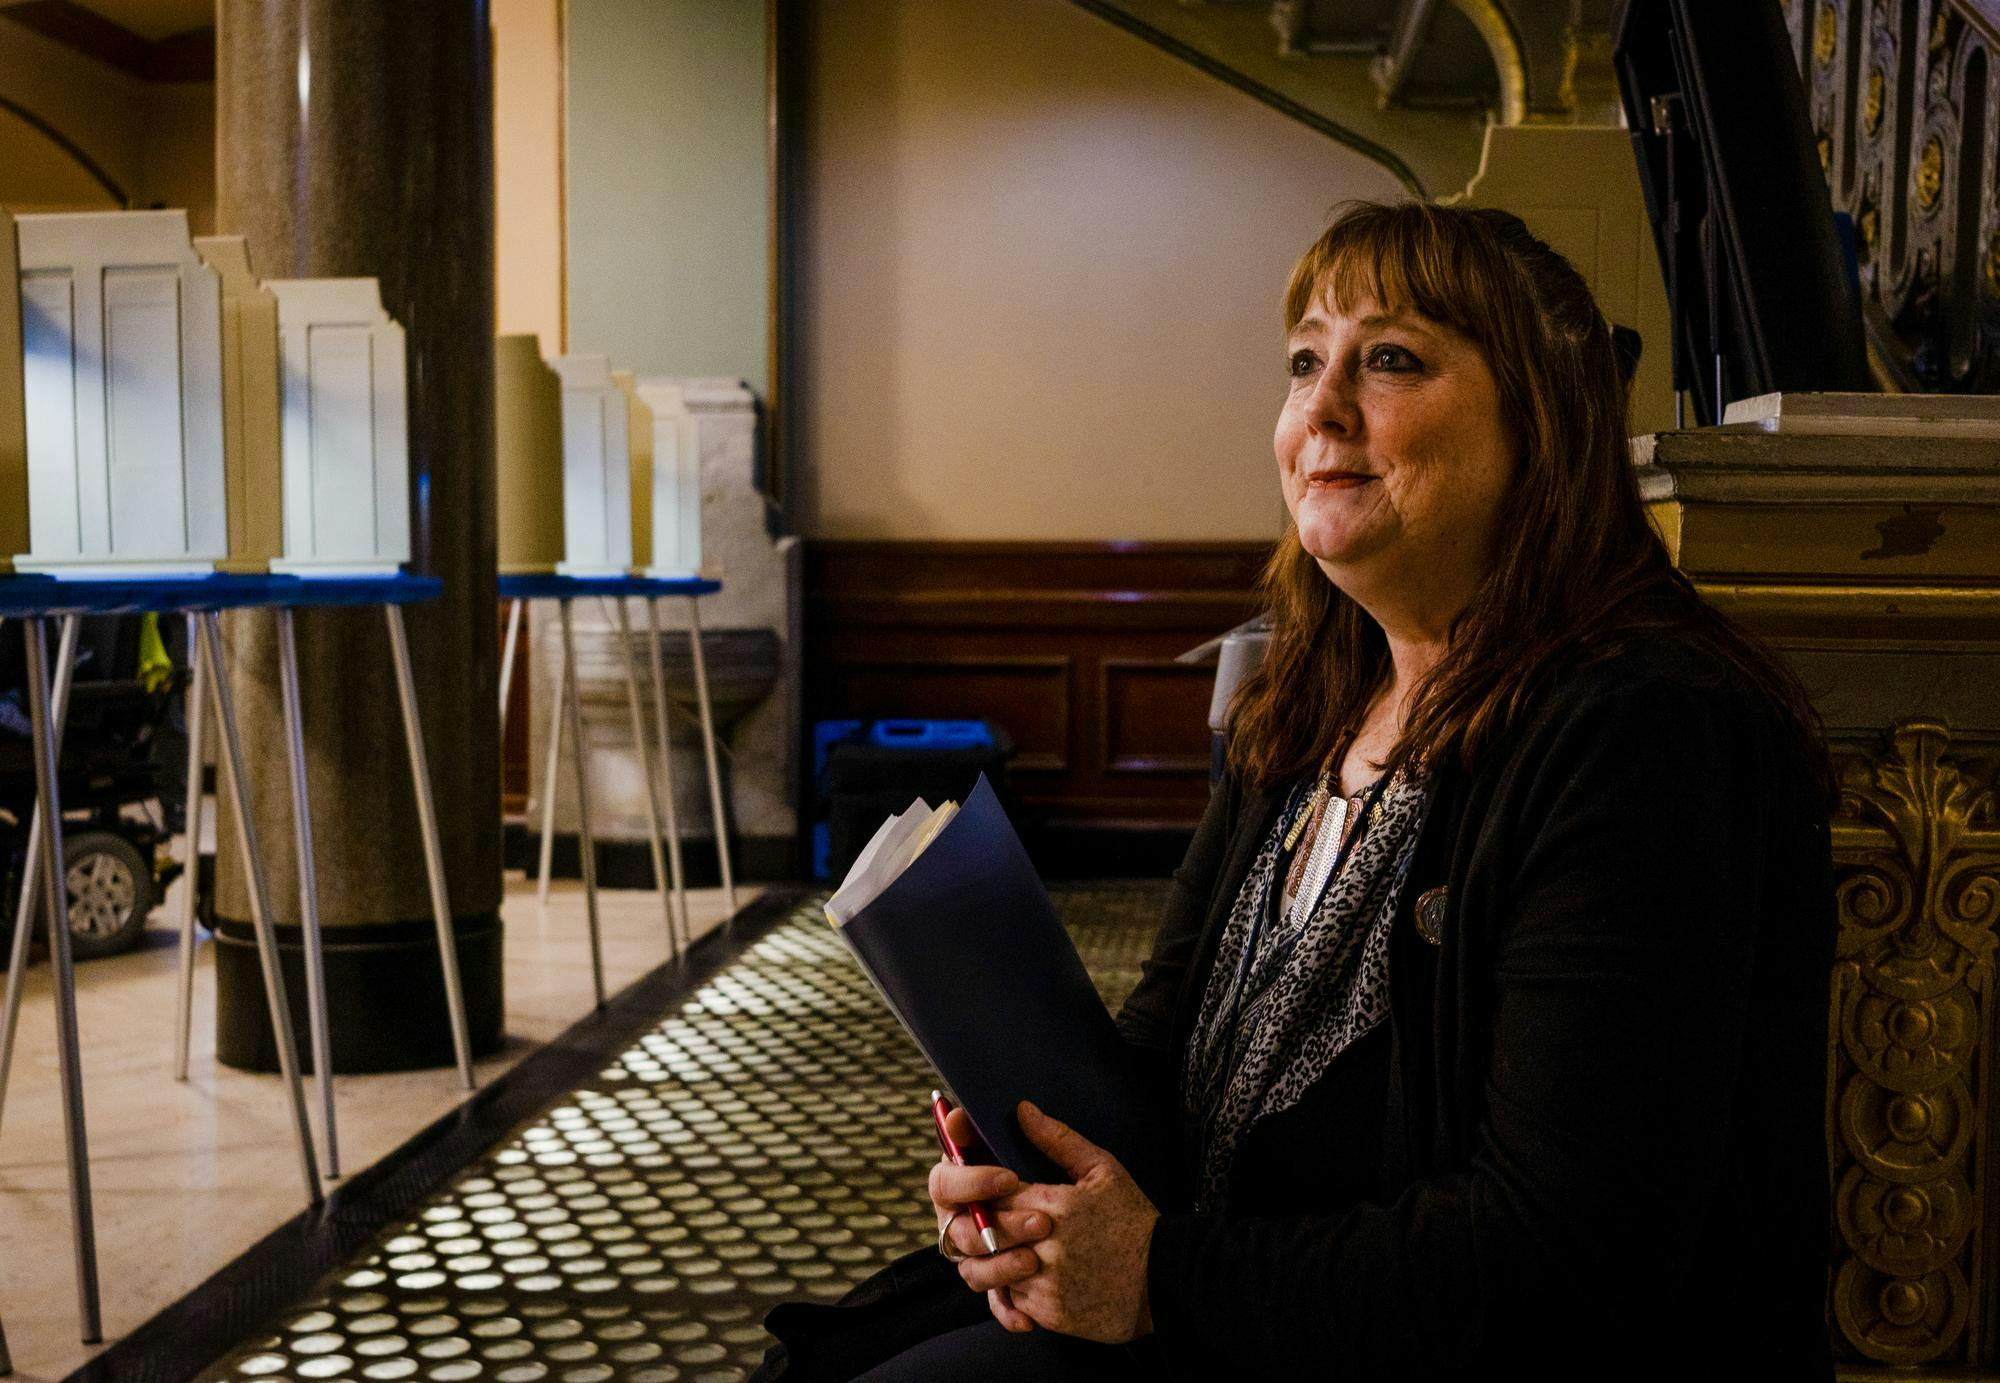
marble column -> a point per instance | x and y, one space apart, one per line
354 137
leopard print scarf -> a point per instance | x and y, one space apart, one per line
1274 1018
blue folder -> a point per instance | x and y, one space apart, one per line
965 946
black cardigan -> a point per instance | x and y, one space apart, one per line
1603 1145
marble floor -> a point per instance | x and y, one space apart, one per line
187 1177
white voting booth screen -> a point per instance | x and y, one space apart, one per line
252 425
121 338
597 498
346 429
676 496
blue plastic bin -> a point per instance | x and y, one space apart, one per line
959 741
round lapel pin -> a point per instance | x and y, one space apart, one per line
1430 914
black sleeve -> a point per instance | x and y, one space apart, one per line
1621 991
1147 1018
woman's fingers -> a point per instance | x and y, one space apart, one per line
959 1125
952 1187
1001 1303
1002 1269
1015 1227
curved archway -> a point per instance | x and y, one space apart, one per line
65 174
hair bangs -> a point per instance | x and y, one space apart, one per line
1403 257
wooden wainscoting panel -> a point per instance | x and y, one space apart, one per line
1144 708
1069 646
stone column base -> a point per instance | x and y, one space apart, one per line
384 995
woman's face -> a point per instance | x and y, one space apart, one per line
1392 454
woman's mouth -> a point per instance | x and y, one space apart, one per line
1338 480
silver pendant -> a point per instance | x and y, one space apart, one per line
1319 863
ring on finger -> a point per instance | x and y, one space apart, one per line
945 1246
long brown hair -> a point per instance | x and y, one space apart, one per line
1581 567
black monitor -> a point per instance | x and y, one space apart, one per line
1760 286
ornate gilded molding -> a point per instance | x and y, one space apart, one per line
1917 849
1912 618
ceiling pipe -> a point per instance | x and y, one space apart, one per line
1504 43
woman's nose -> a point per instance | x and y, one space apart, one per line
1333 405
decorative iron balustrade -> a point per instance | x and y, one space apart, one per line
1903 103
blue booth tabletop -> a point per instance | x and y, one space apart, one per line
549 586
26 596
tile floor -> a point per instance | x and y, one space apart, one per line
767 1139
187 1177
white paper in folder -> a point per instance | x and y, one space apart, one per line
896 842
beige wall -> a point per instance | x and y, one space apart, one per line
93 105
1577 187
667 131
156 142
527 169
1039 271
178 151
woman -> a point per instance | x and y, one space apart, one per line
1493 989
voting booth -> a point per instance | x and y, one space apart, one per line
252 417
528 456
639 468
13 409
346 429
597 497
121 339
673 515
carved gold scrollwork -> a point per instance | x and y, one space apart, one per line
1906 1136
1908 1044
1896 1319
1904 1231
1917 850
1930 173
1826 34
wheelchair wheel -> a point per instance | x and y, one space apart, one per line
110 893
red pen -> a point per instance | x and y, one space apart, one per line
955 1155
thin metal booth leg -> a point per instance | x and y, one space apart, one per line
642 744
24 915
229 750
708 752
420 779
302 839
586 843
667 779
55 903
507 660
196 714
554 761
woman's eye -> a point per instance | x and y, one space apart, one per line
1299 364
1392 358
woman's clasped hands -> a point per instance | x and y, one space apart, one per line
1072 1259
